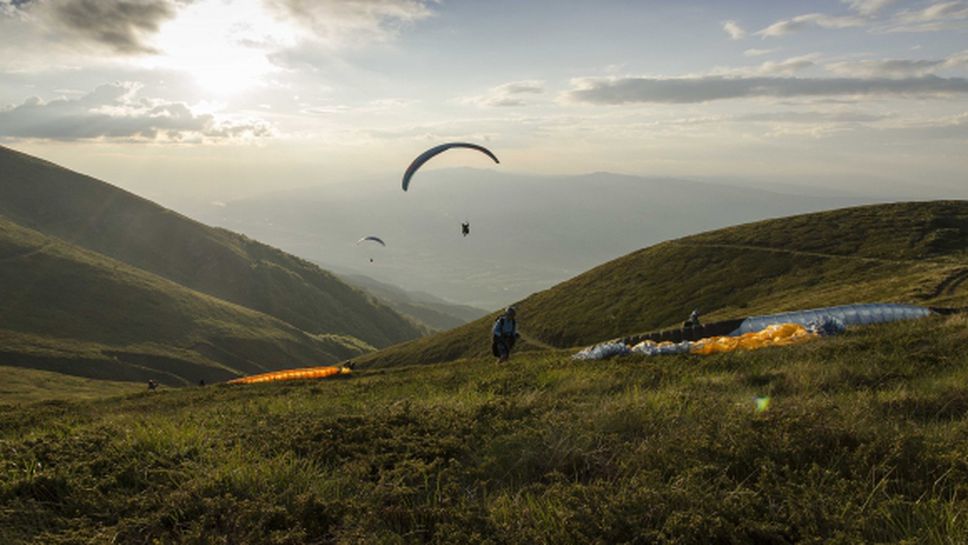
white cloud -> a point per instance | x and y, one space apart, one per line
116 111
786 67
937 16
800 22
631 90
754 52
868 7
514 93
735 31
352 21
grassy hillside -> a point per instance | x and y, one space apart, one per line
863 441
113 222
70 310
19 386
904 252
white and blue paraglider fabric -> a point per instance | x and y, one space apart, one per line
759 331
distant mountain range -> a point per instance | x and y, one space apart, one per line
527 232
98 282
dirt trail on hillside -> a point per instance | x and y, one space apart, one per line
536 342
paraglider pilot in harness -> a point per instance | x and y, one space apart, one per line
692 321
503 335
465 228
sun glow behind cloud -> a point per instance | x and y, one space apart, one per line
222 44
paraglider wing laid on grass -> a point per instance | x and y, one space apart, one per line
293 374
437 150
850 315
756 331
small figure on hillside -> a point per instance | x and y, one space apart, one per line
692 321
152 385
504 334
201 383
465 228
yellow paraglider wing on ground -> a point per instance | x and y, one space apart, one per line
293 374
774 335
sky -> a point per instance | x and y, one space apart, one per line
213 100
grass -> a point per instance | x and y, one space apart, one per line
865 440
904 252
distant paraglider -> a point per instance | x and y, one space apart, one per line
465 228
437 150
372 238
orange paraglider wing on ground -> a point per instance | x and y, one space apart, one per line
774 335
293 374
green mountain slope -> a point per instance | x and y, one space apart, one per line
903 252
102 218
77 312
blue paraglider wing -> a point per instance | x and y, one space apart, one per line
437 150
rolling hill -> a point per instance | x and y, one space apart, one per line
902 252
74 311
105 219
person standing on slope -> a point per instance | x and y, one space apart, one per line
503 335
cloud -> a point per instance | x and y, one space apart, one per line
800 22
115 111
754 52
735 31
336 21
813 117
898 68
937 16
509 94
630 90
786 67
868 7
123 26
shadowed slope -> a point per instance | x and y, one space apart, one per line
105 219
70 310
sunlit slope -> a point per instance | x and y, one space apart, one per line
103 218
74 311
903 252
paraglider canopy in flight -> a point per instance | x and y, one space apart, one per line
437 150
373 238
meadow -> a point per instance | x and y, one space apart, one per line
857 438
